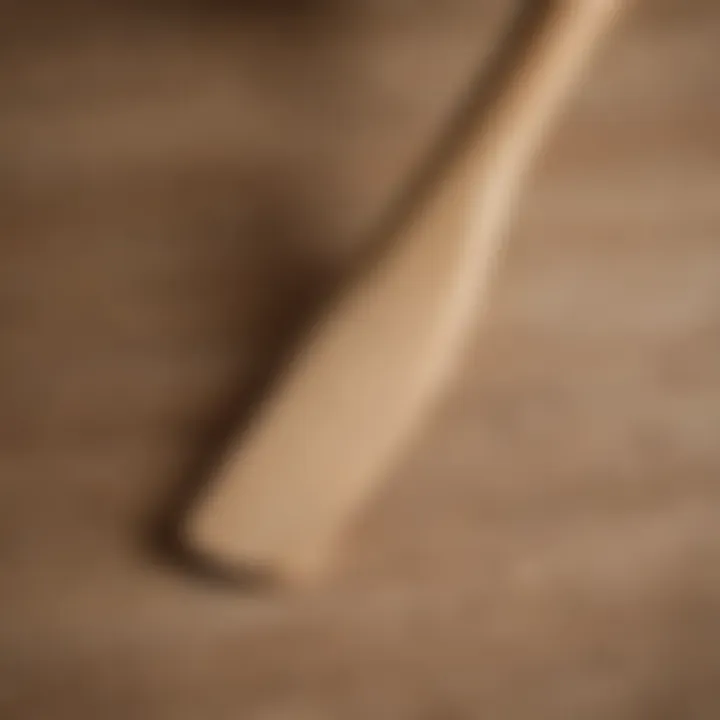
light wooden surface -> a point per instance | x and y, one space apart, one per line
181 182
372 366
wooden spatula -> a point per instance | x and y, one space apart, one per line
370 369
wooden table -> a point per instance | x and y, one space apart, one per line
182 182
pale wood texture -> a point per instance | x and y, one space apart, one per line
180 182
371 370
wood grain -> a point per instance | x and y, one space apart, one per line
181 182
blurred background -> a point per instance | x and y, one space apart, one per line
181 183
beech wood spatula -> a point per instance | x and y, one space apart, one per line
369 370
